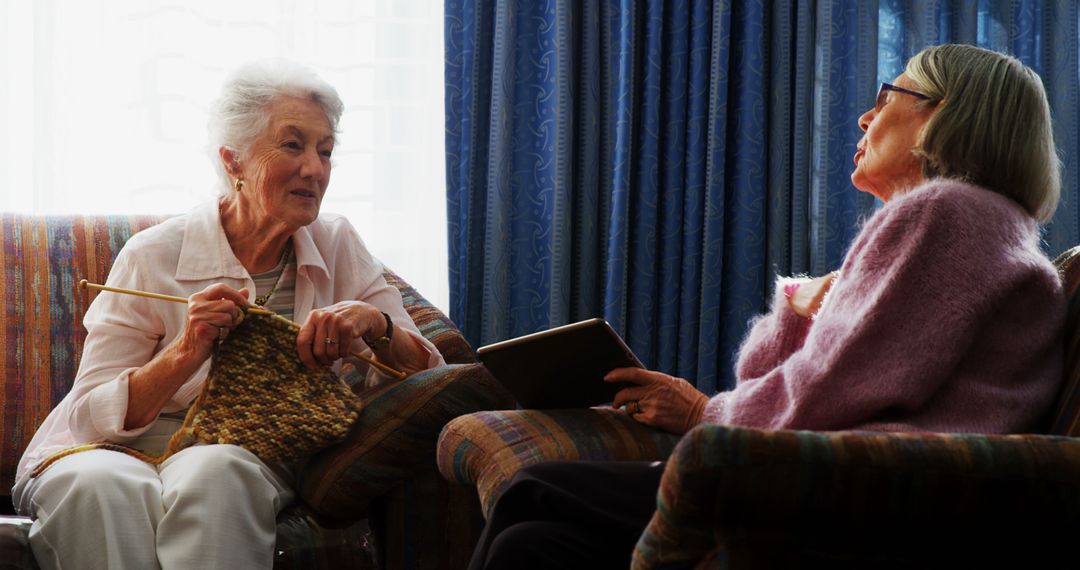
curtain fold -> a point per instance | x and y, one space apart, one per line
659 163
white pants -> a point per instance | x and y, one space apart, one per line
208 506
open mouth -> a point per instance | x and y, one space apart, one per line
303 193
858 155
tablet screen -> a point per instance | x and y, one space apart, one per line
563 367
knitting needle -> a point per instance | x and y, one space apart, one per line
84 284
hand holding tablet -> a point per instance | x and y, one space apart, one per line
563 367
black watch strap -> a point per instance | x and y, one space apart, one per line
384 340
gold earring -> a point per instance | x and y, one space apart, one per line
238 185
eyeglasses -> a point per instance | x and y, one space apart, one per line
883 94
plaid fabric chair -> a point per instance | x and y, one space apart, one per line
374 500
745 498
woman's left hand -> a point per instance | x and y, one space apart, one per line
328 333
658 399
807 299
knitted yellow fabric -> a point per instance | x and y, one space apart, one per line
260 396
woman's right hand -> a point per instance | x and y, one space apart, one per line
211 314
658 400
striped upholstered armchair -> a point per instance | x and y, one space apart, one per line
374 500
748 498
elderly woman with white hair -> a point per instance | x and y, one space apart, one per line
262 242
945 315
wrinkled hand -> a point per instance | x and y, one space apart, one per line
211 314
328 333
807 299
659 400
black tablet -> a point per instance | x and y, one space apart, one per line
563 367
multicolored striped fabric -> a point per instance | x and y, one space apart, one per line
395 437
1066 415
486 449
433 324
788 496
43 258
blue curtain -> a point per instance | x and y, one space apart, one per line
657 163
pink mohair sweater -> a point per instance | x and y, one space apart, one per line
946 317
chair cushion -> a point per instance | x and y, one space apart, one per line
486 449
395 437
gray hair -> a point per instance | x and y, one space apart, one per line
993 127
239 115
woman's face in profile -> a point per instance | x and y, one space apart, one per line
288 167
885 162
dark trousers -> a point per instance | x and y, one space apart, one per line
570 514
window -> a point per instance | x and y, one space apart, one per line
104 106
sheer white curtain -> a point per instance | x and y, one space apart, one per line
103 109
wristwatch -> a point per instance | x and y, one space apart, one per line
384 340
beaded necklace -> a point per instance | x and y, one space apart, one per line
286 259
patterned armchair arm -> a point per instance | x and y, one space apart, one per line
751 497
394 438
486 449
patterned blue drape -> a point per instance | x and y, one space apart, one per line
658 162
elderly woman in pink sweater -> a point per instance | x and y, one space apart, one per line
944 316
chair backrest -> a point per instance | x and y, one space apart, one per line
43 258
433 323
1065 418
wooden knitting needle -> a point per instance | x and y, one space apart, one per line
84 284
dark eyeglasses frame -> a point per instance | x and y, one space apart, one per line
883 93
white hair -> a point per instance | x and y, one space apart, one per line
239 115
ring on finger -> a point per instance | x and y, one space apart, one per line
329 341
